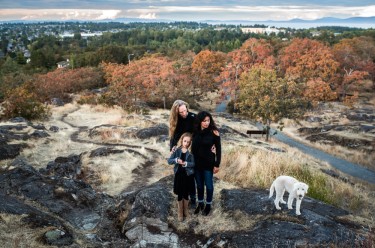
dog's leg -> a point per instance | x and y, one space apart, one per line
277 200
290 201
298 206
272 188
279 196
282 197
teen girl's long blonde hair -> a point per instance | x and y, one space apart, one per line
187 134
173 117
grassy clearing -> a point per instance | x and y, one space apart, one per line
255 168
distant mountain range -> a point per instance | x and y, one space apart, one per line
362 22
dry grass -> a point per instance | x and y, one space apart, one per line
218 220
256 168
14 233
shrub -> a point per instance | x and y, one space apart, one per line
23 102
61 82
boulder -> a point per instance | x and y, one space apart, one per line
157 130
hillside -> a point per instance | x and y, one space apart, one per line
92 176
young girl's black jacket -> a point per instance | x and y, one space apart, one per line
203 141
189 161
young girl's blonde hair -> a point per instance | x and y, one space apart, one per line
179 143
173 117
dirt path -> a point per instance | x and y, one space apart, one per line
141 174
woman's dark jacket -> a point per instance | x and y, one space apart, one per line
205 159
189 159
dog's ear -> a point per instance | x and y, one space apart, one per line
307 187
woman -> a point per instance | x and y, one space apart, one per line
181 120
206 149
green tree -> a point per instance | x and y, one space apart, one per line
268 98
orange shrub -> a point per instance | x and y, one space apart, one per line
22 102
61 82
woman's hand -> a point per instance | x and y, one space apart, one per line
216 170
173 150
213 149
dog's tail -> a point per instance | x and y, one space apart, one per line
272 189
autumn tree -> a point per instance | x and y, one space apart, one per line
252 52
268 98
206 68
356 57
306 59
317 90
150 79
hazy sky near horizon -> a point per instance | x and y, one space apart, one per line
177 10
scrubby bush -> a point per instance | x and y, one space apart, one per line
61 82
22 102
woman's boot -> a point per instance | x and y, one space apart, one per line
199 208
186 208
180 210
207 209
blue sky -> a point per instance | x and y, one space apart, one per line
177 10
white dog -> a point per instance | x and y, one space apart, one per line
295 189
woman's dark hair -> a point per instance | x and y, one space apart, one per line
200 117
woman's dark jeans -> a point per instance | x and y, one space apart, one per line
205 178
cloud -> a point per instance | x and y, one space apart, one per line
58 14
148 16
192 13
109 14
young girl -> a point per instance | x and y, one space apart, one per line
183 162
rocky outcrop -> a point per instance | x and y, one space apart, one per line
19 132
319 224
157 130
73 210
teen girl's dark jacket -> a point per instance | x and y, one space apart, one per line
183 125
205 159
189 167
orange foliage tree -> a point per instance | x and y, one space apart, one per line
317 90
356 57
150 79
252 52
60 82
306 59
206 68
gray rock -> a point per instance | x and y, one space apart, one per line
18 120
10 151
57 102
39 134
366 128
54 129
104 151
57 237
313 119
146 133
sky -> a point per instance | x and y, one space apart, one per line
185 10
